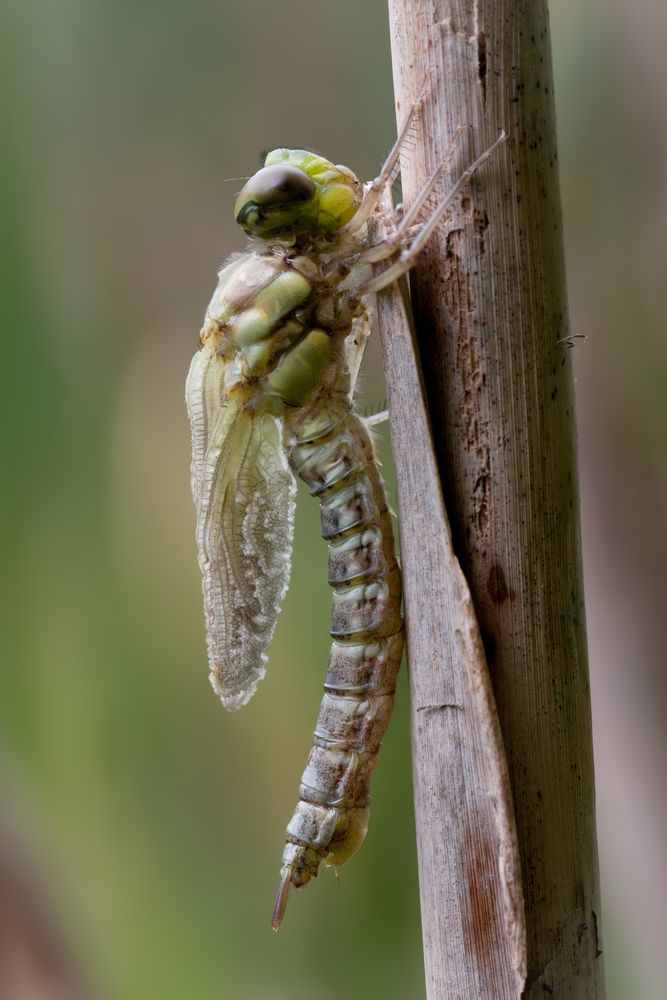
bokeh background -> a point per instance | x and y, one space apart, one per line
140 825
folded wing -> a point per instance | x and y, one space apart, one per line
243 491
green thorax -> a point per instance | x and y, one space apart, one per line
262 324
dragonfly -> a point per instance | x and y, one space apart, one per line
270 396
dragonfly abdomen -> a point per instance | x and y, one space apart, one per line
332 452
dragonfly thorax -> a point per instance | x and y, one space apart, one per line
276 322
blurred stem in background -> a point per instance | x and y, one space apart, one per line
35 960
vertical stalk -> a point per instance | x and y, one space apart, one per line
491 320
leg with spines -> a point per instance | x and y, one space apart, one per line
390 167
409 253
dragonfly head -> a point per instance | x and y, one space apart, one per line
297 192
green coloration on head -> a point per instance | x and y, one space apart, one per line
295 192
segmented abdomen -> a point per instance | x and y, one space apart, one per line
330 449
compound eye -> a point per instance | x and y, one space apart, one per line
280 184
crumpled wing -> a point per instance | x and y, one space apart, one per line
243 491
355 343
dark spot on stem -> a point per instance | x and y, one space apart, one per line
481 62
483 914
440 708
497 585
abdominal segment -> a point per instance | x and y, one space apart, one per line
332 452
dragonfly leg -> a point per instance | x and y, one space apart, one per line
390 168
376 418
381 251
410 253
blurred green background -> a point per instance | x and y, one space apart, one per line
149 819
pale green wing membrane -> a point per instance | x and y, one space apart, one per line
243 491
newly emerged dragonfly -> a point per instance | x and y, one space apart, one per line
269 396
